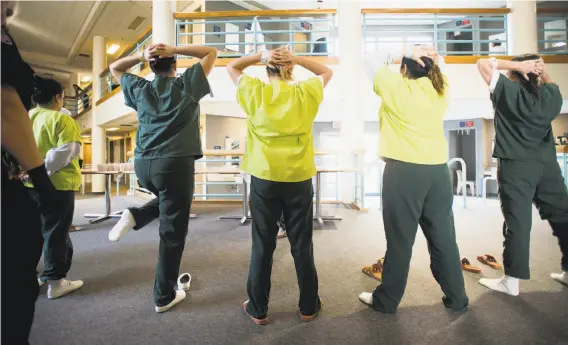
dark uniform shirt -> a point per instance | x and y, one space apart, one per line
523 129
18 75
168 113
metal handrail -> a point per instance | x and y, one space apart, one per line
554 46
264 28
434 27
107 80
464 177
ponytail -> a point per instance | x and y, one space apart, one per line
437 78
431 70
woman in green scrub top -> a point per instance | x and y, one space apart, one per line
59 140
526 101
417 186
279 157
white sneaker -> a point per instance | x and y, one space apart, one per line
180 296
560 277
508 285
61 287
125 223
184 282
367 298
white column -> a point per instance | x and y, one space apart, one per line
350 72
522 27
163 24
98 134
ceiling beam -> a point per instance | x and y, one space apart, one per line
94 14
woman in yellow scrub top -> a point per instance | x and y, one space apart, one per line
279 157
59 140
417 186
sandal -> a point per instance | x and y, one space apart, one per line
467 266
375 271
490 261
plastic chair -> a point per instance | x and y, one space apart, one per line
461 184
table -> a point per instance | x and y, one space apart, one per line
245 215
101 217
318 215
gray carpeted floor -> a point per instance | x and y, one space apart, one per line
115 305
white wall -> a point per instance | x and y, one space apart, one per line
84 121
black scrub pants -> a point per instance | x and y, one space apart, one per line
57 246
269 200
21 251
520 185
416 194
171 180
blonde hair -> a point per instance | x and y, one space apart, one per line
280 71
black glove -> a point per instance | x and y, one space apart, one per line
47 194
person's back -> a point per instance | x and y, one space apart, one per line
523 120
526 100
411 114
279 157
280 119
167 144
168 113
417 187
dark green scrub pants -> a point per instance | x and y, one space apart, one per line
171 180
269 200
57 246
520 185
419 194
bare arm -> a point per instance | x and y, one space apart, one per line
120 66
236 67
17 133
316 68
208 55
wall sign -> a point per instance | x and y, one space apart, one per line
463 22
217 28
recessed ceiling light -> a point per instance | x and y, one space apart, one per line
85 136
86 79
113 129
113 48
